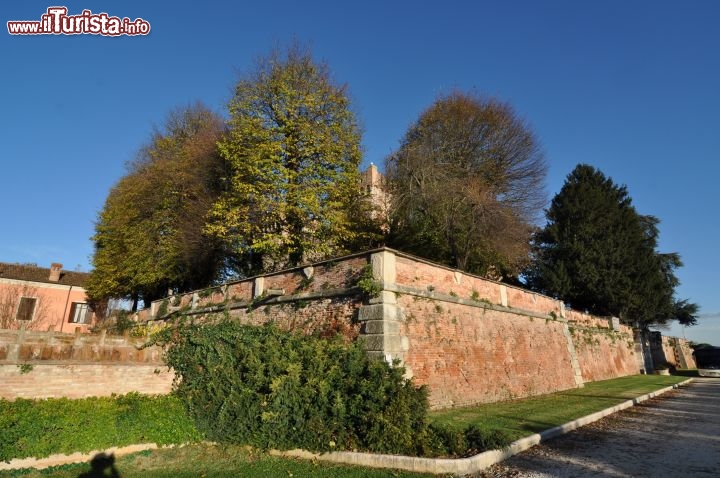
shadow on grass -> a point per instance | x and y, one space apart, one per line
101 465
686 373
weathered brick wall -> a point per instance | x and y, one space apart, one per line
474 340
468 355
54 364
604 353
671 350
321 298
79 380
301 285
427 276
469 339
29 346
325 316
683 352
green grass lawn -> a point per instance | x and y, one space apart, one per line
204 460
520 418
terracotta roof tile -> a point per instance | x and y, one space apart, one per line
34 273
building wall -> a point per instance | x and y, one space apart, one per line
53 308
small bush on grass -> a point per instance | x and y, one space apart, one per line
43 427
441 440
270 388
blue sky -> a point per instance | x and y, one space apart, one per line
631 87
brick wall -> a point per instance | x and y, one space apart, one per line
604 353
469 339
674 351
54 364
473 340
321 298
468 354
79 380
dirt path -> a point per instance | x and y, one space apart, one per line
676 435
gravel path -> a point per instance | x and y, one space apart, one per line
676 435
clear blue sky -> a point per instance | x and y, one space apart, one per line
631 87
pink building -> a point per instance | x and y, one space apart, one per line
43 298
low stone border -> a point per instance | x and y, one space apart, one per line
78 457
457 466
465 466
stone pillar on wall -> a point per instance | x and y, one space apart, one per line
683 352
657 352
381 318
574 362
642 351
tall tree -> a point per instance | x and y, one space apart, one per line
293 152
597 253
466 185
149 236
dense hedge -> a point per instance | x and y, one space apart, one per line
43 427
270 388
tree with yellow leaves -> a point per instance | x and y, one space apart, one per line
293 150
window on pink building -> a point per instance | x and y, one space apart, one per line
80 313
26 308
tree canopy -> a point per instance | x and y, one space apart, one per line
148 236
466 184
293 152
598 254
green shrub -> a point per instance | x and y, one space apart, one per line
123 321
269 388
43 427
441 440
367 283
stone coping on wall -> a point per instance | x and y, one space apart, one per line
414 291
288 270
244 304
456 466
387 287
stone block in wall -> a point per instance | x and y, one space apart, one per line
383 266
381 327
258 287
381 331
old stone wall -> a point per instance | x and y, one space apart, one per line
54 364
